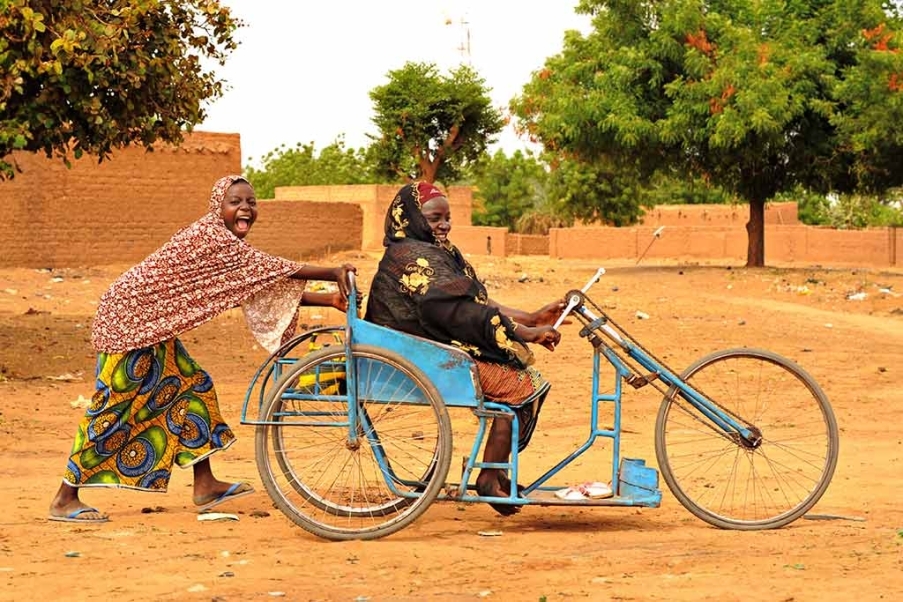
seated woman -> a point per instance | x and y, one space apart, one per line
425 287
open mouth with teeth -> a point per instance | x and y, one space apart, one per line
243 224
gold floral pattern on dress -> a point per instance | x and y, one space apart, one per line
514 348
399 222
471 349
416 279
501 333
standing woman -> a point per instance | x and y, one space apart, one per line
425 287
153 405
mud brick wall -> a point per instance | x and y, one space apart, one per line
779 214
302 230
527 244
373 201
480 240
804 245
117 211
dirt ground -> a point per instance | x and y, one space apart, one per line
154 548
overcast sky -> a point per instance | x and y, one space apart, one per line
304 69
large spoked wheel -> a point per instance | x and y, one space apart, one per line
736 486
364 482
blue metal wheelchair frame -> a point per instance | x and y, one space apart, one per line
455 378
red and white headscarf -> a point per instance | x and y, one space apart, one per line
202 271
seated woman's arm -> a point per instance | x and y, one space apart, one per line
543 335
463 321
545 315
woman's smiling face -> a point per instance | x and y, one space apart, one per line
438 216
239 208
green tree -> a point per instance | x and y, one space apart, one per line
598 190
674 189
303 166
431 126
87 77
506 188
753 96
846 211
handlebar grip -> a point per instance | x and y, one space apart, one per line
593 280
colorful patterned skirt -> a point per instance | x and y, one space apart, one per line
507 384
152 407
511 386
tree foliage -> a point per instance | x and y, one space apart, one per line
84 76
752 96
667 188
598 191
431 126
505 188
845 211
303 166
521 193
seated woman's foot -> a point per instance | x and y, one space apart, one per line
505 484
490 487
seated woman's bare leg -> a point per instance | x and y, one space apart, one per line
490 480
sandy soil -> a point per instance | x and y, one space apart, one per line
154 548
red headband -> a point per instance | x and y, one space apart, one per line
428 191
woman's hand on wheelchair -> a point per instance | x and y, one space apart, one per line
341 278
548 314
545 335
340 301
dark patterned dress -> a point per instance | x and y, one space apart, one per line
428 289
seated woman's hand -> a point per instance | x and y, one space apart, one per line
548 314
546 336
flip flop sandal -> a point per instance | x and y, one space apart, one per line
231 493
74 517
570 494
595 490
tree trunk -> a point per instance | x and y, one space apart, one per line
755 234
428 170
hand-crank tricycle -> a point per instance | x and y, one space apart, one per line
354 439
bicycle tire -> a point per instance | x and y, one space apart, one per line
795 468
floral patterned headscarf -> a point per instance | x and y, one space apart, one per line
201 272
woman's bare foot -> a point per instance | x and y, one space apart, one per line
488 485
505 484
